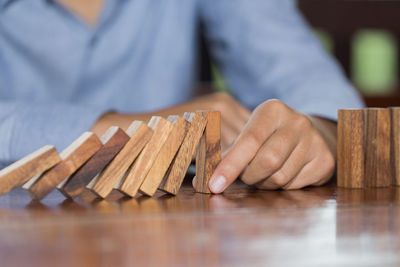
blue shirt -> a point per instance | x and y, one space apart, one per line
57 75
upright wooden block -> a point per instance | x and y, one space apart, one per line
30 166
72 157
209 151
177 171
165 157
395 149
103 184
132 181
377 161
113 141
350 150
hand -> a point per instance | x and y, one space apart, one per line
233 115
278 148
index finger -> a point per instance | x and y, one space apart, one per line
256 131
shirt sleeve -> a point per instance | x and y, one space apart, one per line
265 50
25 127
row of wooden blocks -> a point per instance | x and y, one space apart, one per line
368 147
143 159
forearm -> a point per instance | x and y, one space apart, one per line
216 101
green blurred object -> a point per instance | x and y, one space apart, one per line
218 81
374 62
325 39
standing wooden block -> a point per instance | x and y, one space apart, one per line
377 161
177 171
72 157
32 165
113 141
209 151
103 184
395 112
135 176
350 150
165 157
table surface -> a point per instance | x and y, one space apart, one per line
326 226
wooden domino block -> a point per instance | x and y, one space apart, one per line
30 166
113 141
350 149
165 157
209 151
177 171
140 135
377 147
132 181
72 157
395 149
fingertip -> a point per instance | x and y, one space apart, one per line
217 184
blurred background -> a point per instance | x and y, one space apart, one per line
363 35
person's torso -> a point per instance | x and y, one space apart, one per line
141 56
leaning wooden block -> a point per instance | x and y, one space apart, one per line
140 135
135 176
350 149
395 149
32 165
165 157
72 157
177 171
113 141
377 161
209 151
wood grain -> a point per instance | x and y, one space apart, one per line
350 148
176 172
122 232
208 151
135 176
24 169
73 157
140 135
113 141
166 155
395 143
377 161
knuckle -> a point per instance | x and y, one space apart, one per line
271 160
274 105
279 178
302 122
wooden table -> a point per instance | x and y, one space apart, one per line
311 227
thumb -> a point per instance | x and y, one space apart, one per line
194 182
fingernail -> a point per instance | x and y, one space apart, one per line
217 184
